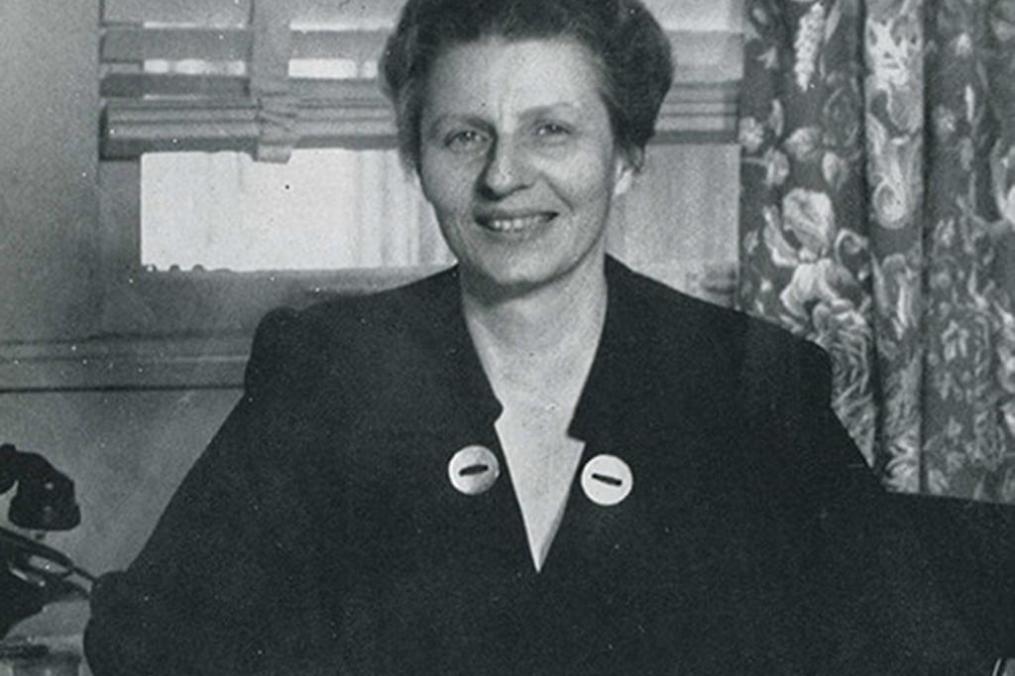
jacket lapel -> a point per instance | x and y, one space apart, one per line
643 388
641 403
643 393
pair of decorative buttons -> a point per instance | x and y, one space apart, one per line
606 479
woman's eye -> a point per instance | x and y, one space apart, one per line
552 131
464 140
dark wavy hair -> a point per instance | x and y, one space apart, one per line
631 50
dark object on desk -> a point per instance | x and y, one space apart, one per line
33 574
24 658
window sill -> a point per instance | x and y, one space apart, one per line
212 350
104 364
178 330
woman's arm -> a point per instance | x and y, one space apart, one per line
932 579
225 583
971 549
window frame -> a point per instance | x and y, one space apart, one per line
192 329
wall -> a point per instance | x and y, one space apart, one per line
681 215
126 451
48 164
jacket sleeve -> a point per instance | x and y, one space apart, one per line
220 578
912 571
971 548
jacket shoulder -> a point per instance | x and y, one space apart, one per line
773 386
292 347
758 349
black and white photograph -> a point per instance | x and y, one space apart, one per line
508 337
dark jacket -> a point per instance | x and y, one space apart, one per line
319 532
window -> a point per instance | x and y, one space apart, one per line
269 78
324 209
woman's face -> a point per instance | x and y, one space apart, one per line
518 159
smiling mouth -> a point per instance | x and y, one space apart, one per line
499 223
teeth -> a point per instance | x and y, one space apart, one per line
514 224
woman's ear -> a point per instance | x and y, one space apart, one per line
628 164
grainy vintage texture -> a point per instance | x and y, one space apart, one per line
877 219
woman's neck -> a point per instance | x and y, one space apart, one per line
537 348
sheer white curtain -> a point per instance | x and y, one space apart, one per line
325 209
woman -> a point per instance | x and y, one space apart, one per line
537 462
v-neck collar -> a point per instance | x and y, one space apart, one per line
612 383
627 375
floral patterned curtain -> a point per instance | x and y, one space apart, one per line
877 218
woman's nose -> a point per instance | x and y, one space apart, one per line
506 170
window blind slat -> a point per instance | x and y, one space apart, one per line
352 92
134 127
701 97
693 13
136 43
358 46
714 55
194 12
140 85
358 94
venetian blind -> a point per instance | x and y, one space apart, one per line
266 76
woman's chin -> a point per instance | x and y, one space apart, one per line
503 280
508 279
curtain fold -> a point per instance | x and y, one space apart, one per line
877 218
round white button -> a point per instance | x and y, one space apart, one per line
607 480
473 470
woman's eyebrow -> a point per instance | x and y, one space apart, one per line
564 107
446 119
